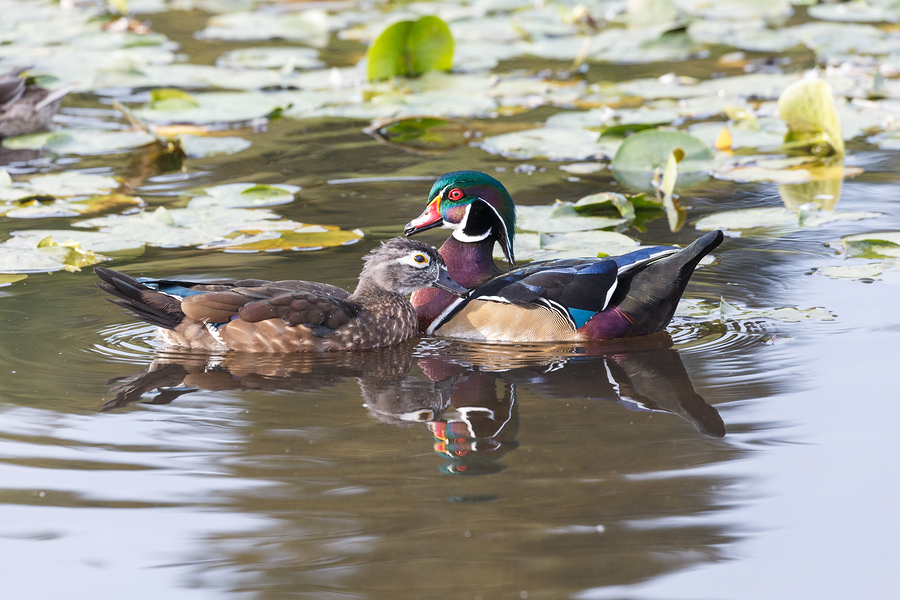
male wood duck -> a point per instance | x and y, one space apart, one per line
253 315
552 300
26 108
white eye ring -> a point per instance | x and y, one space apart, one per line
415 259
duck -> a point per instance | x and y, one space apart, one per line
26 108
560 300
254 315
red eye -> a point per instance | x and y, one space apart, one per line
455 194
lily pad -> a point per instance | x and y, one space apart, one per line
271 58
731 312
644 152
309 237
552 143
245 195
214 107
310 26
9 279
45 256
748 219
421 134
541 246
37 209
81 141
807 107
201 146
560 217
873 245
410 48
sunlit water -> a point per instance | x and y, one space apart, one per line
447 470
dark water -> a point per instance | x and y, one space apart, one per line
447 470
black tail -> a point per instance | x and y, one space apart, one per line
649 298
139 300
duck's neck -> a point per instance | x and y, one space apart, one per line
470 263
368 292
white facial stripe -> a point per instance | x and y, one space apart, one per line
458 229
410 259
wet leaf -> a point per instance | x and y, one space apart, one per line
200 146
309 26
541 246
215 107
271 58
410 48
552 143
37 209
421 134
101 243
8 279
784 219
807 107
873 245
171 99
310 237
560 217
245 195
644 152
731 312
81 141
603 202
45 255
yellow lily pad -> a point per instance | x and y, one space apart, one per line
309 237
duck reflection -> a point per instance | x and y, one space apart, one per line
466 394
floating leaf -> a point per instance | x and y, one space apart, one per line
421 134
560 217
309 237
410 48
8 279
172 99
271 58
602 202
95 241
675 214
552 143
41 208
201 146
44 256
724 310
873 245
578 244
644 152
245 195
775 218
807 107
216 107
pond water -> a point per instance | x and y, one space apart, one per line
739 457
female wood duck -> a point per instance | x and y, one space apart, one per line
552 300
253 315
26 108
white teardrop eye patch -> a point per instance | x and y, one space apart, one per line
415 259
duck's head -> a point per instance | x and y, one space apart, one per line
475 206
403 266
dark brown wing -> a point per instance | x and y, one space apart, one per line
320 312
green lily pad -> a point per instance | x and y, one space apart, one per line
70 183
552 143
201 146
578 244
271 58
410 48
644 152
422 134
884 244
245 195
778 218
807 107
171 99
215 107
560 217
309 26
